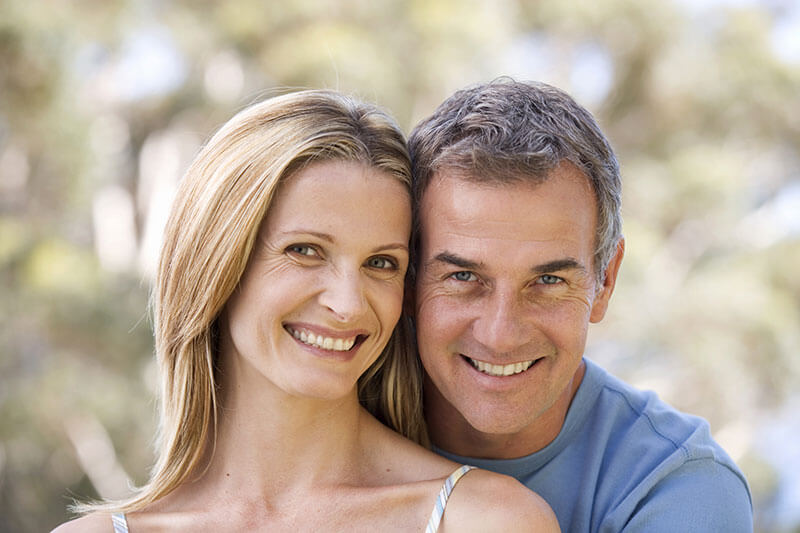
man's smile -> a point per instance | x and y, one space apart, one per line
500 370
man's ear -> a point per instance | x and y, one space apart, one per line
604 292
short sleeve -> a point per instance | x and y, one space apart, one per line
700 496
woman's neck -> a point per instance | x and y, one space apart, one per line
270 443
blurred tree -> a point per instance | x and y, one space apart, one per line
102 105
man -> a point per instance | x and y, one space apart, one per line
518 247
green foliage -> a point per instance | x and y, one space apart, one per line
102 105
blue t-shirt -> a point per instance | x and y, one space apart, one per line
626 461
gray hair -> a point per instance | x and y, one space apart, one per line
505 131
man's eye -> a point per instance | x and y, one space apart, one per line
549 279
463 276
382 263
302 249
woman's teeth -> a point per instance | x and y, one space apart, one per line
500 370
319 341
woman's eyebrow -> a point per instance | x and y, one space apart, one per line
317 234
331 239
392 246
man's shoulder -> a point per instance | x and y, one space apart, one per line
655 457
643 435
625 416
624 456
640 414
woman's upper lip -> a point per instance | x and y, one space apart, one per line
325 331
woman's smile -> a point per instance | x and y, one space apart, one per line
327 341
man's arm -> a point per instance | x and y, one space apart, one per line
702 495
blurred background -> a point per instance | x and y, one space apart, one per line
104 103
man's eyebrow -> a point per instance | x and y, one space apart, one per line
559 264
452 259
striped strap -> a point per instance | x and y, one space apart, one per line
120 524
444 494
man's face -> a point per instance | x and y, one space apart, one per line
504 294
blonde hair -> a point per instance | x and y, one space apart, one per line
209 236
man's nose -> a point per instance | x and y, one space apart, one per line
344 295
502 326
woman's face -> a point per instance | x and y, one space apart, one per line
323 287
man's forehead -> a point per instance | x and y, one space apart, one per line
455 195
452 181
454 177
555 218
508 174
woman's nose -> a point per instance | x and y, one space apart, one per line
344 295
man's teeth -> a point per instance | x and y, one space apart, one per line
326 343
501 370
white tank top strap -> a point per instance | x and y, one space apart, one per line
120 523
444 494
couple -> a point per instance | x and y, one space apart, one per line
289 371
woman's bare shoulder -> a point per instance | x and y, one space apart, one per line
388 451
485 501
91 523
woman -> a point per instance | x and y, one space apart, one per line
279 287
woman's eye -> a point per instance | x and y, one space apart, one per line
549 279
302 249
382 263
463 276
